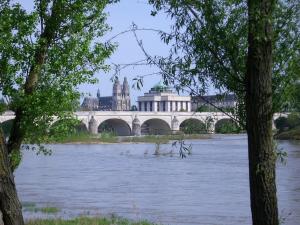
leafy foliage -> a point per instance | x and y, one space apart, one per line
290 122
293 120
45 54
3 105
193 126
295 96
209 44
226 126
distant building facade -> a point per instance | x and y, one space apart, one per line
119 101
163 99
221 101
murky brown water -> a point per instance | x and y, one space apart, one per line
208 187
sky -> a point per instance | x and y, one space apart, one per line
120 17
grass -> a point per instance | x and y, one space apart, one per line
31 207
292 134
87 221
163 139
88 138
111 138
49 210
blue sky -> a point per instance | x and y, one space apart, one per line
121 16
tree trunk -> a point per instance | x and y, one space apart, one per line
262 157
10 205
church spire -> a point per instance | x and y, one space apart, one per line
125 89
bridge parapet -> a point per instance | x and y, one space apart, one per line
133 121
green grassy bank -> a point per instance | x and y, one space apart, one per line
163 138
111 138
291 134
87 138
87 221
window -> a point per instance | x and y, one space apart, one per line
164 106
151 106
158 104
171 106
140 106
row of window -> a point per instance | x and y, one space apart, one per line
149 106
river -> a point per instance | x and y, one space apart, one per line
208 187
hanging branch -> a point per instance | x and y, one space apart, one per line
152 61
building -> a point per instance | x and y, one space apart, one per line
221 101
119 101
163 99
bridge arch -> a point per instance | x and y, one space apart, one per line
193 126
155 126
117 126
74 126
226 125
6 126
281 123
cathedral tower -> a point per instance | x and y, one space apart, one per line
125 96
117 96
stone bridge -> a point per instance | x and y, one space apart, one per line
126 123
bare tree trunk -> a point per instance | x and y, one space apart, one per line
262 157
10 205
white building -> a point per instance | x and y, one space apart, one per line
203 103
163 99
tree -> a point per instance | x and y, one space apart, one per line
44 55
259 114
3 105
295 96
248 48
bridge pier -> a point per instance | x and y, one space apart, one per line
210 125
175 126
132 123
93 127
136 127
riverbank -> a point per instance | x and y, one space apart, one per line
291 134
88 221
107 138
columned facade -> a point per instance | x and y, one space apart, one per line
163 99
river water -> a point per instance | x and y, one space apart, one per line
210 186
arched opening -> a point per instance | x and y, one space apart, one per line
6 127
281 123
69 126
156 127
226 126
193 126
116 126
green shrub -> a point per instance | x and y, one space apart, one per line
193 126
226 126
293 120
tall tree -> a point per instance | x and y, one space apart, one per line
249 48
44 55
261 154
